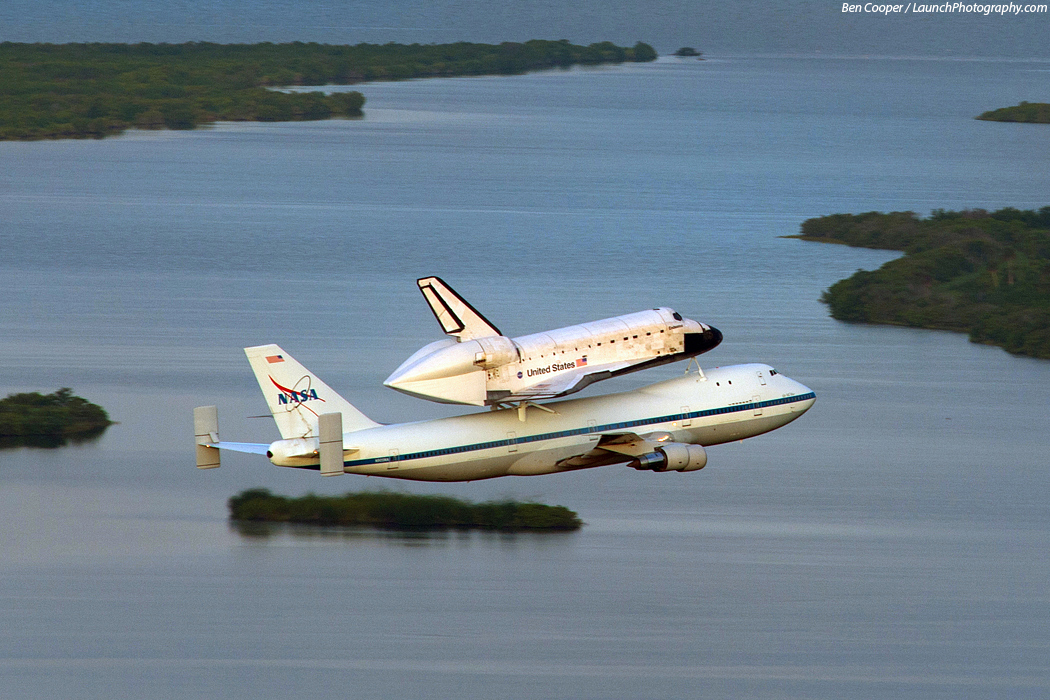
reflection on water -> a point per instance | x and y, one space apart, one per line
51 441
274 532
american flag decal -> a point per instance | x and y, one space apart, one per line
274 358
582 362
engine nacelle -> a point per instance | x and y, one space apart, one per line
673 457
294 452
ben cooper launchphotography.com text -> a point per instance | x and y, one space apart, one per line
943 8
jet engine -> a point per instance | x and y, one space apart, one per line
673 457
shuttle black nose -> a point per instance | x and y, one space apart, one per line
699 343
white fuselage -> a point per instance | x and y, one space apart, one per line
728 403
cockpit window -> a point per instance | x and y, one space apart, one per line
772 372
677 316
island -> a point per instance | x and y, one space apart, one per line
983 273
1027 112
388 510
49 420
56 91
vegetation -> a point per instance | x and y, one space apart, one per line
984 273
49 420
1029 112
400 511
687 51
50 91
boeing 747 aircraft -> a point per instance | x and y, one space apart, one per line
661 427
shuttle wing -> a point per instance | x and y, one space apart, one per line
569 382
457 317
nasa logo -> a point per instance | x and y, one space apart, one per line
289 396
519 375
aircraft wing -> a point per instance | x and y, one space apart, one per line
617 447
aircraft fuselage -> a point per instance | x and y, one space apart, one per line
725 404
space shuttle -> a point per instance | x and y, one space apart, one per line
477 365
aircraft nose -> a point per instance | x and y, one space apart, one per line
810 397
701 342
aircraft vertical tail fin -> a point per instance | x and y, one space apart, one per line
456 316
296 396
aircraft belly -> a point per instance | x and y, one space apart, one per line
531 464
747 427
527 459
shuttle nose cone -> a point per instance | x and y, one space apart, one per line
443 363
699 342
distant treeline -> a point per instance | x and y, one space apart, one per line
987 274
400 511
50 91
49 420
1029 112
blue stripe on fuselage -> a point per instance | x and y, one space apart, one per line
582 431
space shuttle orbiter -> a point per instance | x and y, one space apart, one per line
480 366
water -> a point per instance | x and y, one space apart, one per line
891 543
796 27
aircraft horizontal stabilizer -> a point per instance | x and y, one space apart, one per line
206 436
246 447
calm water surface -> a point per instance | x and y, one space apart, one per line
892 543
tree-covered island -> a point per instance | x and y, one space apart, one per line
1027 112
54 91
986 274
49 420
400 511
